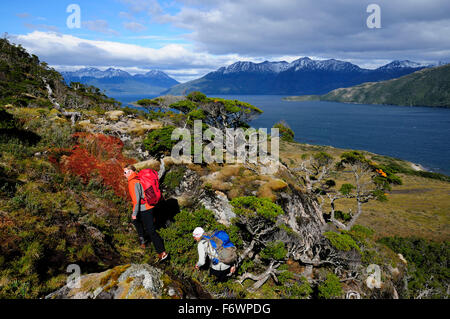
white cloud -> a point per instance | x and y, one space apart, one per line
219 33
156 37
41 26
184 75
23 15
151 7
67 50
410 29
101 26
134 26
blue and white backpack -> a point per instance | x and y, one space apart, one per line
226 251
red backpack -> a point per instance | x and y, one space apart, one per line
150 183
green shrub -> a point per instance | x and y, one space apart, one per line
274 251
14 139
255 206
299 289
246 265
392 178
27 263
16 289
360 233
391 165
159 142
427 264
86 252
330 288
285 276
346 189
196 96
147 102
30 199
341 241
233 113
195 115
17 147
54 134
438 176
173 178
285 132
185 106
7 120
342 216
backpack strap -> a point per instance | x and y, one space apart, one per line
208 239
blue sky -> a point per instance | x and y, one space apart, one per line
101 20
189 38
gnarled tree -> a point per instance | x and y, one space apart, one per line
370 182
215 112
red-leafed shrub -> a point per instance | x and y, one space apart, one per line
95 156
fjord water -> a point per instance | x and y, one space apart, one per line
417 134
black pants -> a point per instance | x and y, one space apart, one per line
144 225
221 275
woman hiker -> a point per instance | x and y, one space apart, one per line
142 216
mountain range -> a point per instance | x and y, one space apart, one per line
427 87
118 82
302 76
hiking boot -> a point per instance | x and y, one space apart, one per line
142 242
163 256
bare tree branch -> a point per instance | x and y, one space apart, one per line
261 278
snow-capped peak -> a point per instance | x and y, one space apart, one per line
325 65
96 73
85 72
156 73
112 72
91 72
304 63
397 64
301 61
246 66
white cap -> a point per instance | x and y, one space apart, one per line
198 232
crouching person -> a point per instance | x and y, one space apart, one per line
219 250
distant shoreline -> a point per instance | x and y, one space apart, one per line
305 98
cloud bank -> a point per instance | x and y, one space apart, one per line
70 51
219 33
416 29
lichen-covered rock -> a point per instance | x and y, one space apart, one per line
141 280
220 205
135 281
271 167
191 188
400 256
114 115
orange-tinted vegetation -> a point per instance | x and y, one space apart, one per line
95 156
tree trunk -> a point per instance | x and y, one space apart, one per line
355 217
